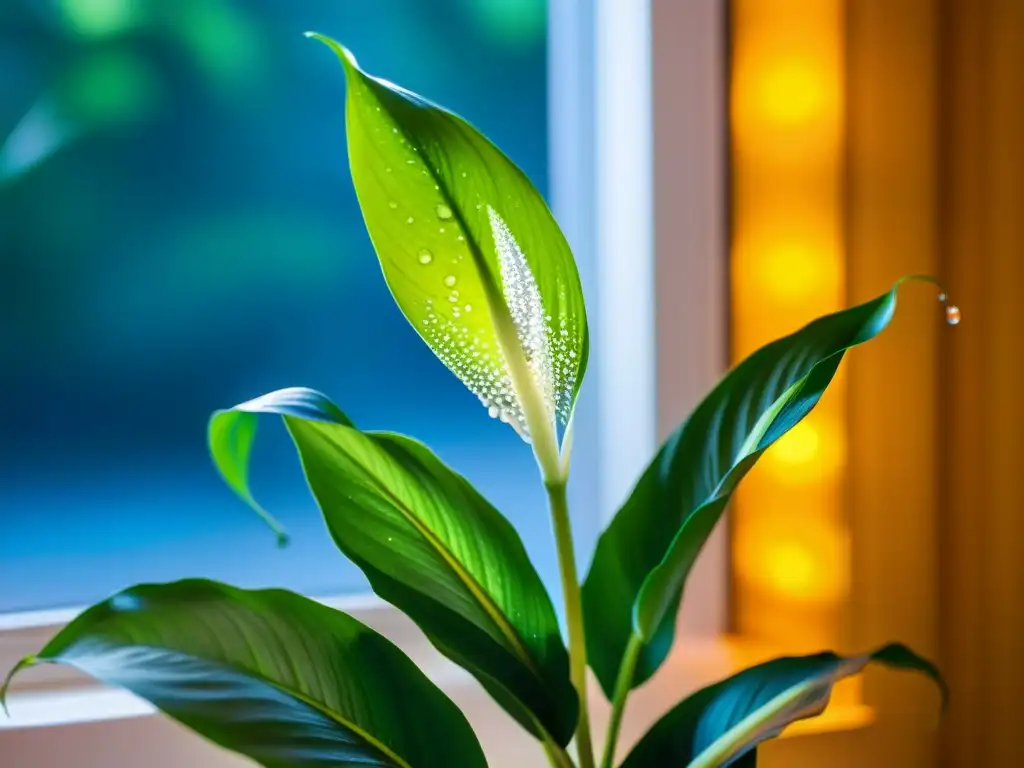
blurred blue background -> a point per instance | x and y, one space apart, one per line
178 233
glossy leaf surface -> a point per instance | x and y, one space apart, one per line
722 724
429 543
469 249
271 675
642 560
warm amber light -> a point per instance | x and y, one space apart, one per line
786 107
810 452
795 272
792 92
802 563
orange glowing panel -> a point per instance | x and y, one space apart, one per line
789 540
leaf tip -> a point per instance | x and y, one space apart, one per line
28 661
343 53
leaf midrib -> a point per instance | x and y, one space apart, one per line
475 589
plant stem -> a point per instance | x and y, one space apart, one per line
623 685
573 616
557 756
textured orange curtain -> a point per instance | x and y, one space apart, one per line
982 408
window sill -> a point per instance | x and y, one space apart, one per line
98 722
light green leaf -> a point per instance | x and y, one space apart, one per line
271 675
722 724
633 590
471 253
429 543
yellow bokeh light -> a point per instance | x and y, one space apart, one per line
796 271
798 446
803 560
810 452
791 93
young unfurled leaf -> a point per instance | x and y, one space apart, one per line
721 724
635 584
271 675
429 543
472 255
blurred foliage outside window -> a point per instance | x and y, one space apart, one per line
178 233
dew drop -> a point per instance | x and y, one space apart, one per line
450 281
425 256
492 411
410 161
409 220
953 315
392 205
443 211
942 296
394 130
469 307
388 169
442 230
460 238
453 296
463 174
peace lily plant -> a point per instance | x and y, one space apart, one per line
477 264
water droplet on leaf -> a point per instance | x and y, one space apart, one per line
392 205
450 280
425 256
443 211
953 315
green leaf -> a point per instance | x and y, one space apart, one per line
429 543
471 253
274 676
721 724
642 560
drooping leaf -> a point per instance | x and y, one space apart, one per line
722 724
281 679
472 254
429 543
642 560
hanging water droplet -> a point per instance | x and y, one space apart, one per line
492 411
425 256
953 315
392 205
409 220
942 296
450 280
443 211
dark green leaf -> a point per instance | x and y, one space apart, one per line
429 544
274 676
721 724
472 254
642 560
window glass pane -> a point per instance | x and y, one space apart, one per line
178 233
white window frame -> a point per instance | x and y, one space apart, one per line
650 244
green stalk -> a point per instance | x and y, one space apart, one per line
557 756
573 616
623 685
